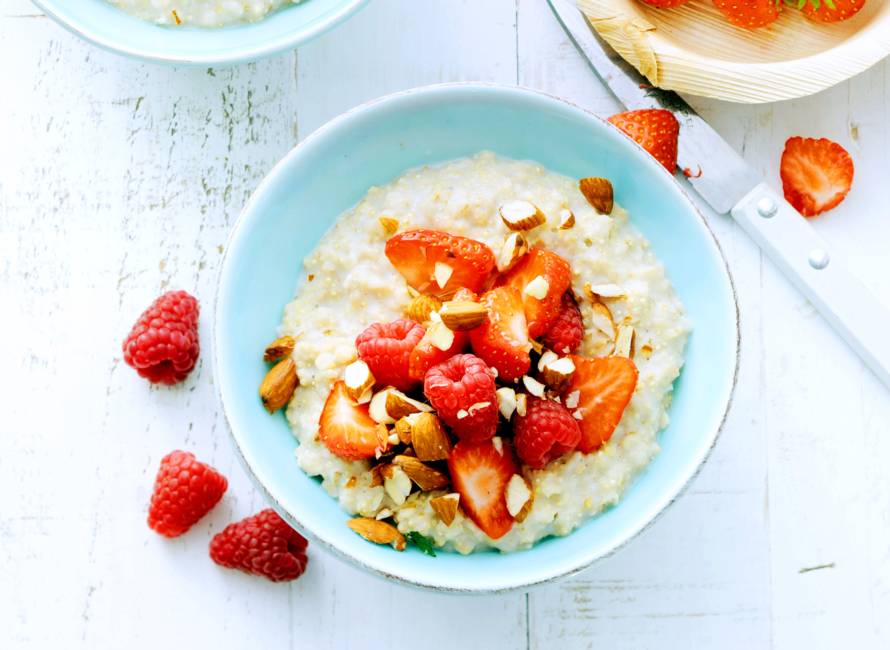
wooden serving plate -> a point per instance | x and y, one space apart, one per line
694 49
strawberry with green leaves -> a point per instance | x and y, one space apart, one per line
750 14
830 11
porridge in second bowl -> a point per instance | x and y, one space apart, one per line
201 13
479 355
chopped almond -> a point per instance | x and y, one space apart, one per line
279 385
403 430
566 219
521 215
514 248
537 288
519 498
378 532
446 507
557 375
396 483
533 386
463 315
442 273
358 379
607 290
624 341
279 348
521 404
390 225
421 306
572 399
424 476
506 401
598 192
382 434
439 335
398 405
547 357
429 439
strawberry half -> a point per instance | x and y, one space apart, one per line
654 129
462 262
480 473
345 427
606 385
502 341
816 174
832 11
540 313
750 14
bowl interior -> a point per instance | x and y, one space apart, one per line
331 171
102 23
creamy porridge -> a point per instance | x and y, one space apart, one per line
349 283
200 13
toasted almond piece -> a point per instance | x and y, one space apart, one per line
547 357
390 225
365 397
376 475
624 341
478 406
498 444
396 483
279 348
601 318
439 335
424 476
646 350
572 399
533 386
421 306
384 513
577 414
442 273
521 215
358 379
607 290
462 413
279 385
521 404
377 408
383 445
598 192
566 219
403 430
429 439
463 315
515 246
506 401
398 405
519 498
378 532
537 288
446 507
557 375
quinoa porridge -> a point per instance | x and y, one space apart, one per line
200 13
629 312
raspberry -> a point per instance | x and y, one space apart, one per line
262 545
185 490
545 432
163 344
386 348
567 331
456 389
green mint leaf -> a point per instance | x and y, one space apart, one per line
424 543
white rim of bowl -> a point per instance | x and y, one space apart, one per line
235 58
330 546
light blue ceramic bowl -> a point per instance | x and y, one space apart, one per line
105 25
330 171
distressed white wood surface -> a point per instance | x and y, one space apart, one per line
119 180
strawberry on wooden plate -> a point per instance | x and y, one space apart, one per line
665 4
750 14
654 129
480 473
606 385
541 278
816 174
345 427
831 11
438 263
502 341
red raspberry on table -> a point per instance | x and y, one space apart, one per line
185 490
462 392
546 432
263 545
567 331
386 348
163 344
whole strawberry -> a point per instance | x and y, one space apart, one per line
262 545
831 11
163 344
665 4
654 129
185 490
750 14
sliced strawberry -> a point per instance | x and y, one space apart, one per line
816 174
540 313
654 129
502 341
480 473
832 11
606 385
750 14
345 427
426 355
465 262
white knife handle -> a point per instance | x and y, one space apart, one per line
805 259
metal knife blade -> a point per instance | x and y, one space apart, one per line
713 167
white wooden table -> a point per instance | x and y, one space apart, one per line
119 180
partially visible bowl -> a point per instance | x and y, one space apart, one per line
107 26
329 172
